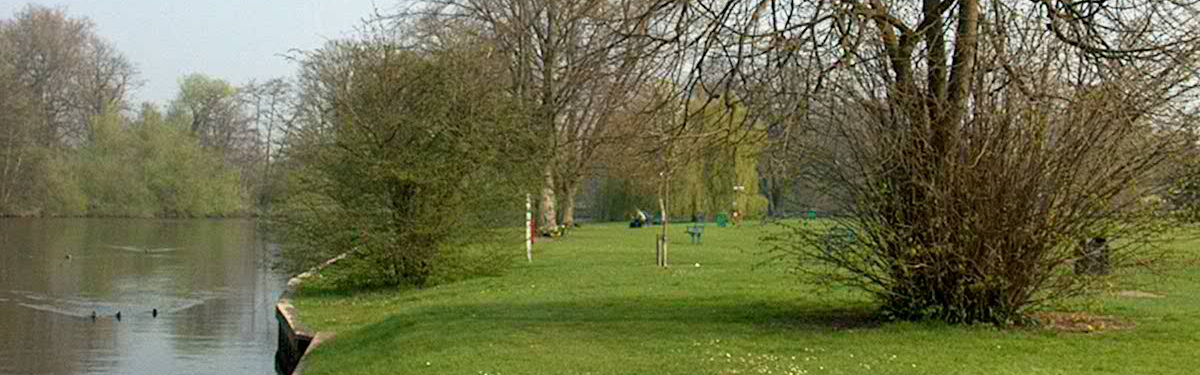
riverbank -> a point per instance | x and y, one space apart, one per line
295 338
593 302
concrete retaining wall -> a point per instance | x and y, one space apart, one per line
295 339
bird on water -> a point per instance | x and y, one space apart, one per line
93 315
118 316
154 313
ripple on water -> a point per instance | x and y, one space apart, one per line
83 307
143 250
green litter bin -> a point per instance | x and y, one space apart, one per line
722 220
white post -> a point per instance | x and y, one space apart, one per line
529 227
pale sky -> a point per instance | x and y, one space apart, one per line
236 40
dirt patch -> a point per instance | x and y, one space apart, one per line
1080 322
1138 294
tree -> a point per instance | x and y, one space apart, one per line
184 178
212 111
974 144
410 162
574 62
272 108
16 133
71 72
57 76
217 114
106 78
149 167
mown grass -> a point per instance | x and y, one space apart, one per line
594 303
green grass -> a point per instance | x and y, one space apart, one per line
594 303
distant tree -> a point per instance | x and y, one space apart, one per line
272 108
17 129
218 114
212 111
72 73
185 178
109 169
105 80
149 167
57 76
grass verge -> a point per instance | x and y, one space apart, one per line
594 303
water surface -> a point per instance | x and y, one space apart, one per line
209 280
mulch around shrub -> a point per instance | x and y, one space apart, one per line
1080 322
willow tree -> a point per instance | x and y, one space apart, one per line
975 144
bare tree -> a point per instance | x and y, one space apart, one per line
272 105
574 62
72 72
974 143
105 79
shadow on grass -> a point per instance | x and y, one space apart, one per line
686 315
599 325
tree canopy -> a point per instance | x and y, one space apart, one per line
414 163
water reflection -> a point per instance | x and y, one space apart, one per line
208 279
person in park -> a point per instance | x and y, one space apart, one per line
639 219
736 217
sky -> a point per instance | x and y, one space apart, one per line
235 40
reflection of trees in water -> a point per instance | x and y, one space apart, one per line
243 311
215 291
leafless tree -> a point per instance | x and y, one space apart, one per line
272 105
71 72
974 143
572 60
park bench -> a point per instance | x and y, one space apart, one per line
695 231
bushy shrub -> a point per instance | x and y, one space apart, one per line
415 165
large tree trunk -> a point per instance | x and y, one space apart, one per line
549 218
568 217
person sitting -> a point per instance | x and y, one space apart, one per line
639 219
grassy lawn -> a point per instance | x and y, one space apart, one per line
594 303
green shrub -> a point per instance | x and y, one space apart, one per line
410 172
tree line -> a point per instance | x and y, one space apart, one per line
73 144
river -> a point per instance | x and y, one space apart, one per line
209 281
